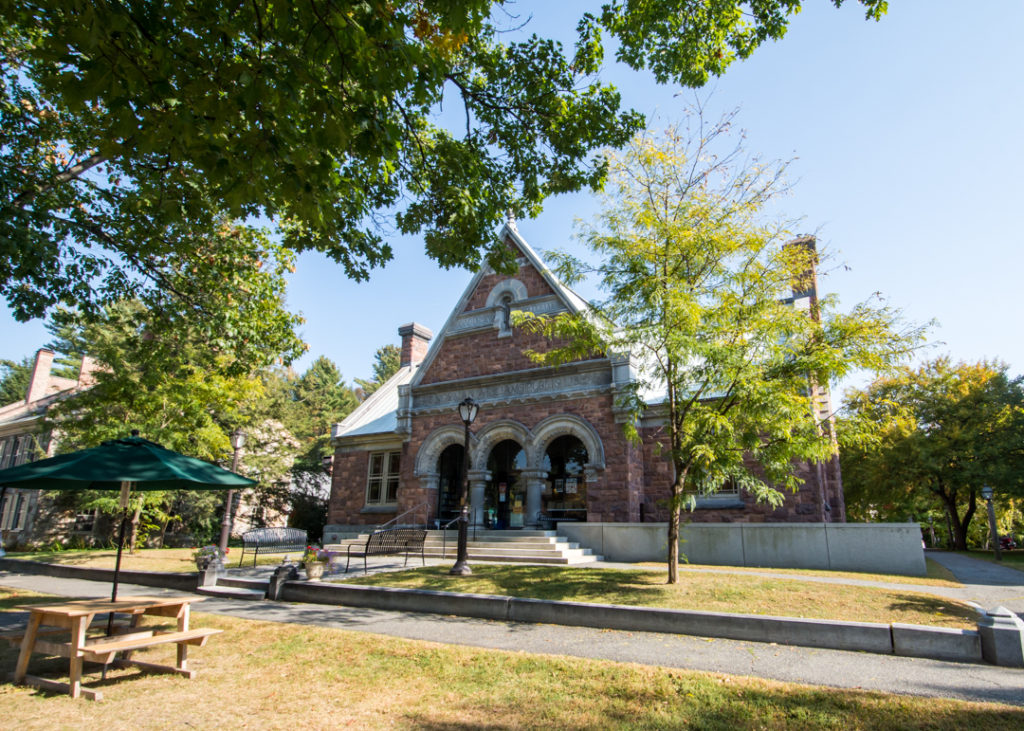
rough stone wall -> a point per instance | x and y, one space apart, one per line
536 286
483 354
348 488
801 506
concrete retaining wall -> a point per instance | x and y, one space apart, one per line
888 548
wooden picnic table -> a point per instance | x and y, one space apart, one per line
48 620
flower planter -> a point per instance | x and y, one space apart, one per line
315 570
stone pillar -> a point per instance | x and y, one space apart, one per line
1002 638
429 483
535 480
477 485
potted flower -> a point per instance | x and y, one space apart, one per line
203 556
315 562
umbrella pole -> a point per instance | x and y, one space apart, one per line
125 490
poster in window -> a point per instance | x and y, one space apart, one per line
570 486
502 491
559 487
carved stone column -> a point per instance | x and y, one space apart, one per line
535 480
477 485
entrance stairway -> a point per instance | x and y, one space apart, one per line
504 546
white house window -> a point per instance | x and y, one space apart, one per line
382 482
6 448
12 517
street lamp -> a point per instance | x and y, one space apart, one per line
467 412
986 492
327 462
237 442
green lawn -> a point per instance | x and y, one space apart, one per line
696 590
267 675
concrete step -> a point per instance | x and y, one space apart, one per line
233 592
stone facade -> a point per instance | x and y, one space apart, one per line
530 413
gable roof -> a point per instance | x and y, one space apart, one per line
509 233
378 414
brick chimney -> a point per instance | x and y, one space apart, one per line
39 385
415 342
86 374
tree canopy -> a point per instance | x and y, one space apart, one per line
699 295
15 377
386 362
129 130
933 437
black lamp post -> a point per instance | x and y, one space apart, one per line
467 412
237 442
986 492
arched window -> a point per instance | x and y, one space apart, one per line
565 497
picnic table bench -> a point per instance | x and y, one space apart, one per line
272 540
75 617
389 542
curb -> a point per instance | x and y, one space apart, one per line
908 640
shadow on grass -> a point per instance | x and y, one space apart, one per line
934 605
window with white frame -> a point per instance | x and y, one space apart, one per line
6 449
25 450
12 513
382 481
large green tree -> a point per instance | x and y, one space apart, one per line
386 362
697 287
127 129
933 437
14 380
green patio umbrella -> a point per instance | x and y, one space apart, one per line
126 464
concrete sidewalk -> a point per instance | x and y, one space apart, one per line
817 667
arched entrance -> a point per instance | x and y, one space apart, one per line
565 495
505 495
450 481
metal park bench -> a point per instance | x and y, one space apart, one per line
389 542
272 540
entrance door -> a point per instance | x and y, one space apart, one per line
450 480
505 497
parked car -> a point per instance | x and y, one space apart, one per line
1007 543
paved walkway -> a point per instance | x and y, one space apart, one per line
835 668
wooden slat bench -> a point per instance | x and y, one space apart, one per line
389 542
272 540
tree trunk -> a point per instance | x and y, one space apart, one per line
673 524
134 535
673 541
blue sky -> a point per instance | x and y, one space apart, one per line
909 155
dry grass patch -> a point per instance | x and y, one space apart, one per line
714 592
145 559
269 676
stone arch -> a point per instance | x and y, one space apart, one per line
435 443
508 286
496 432
562 425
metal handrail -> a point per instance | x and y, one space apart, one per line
383 526
444 533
